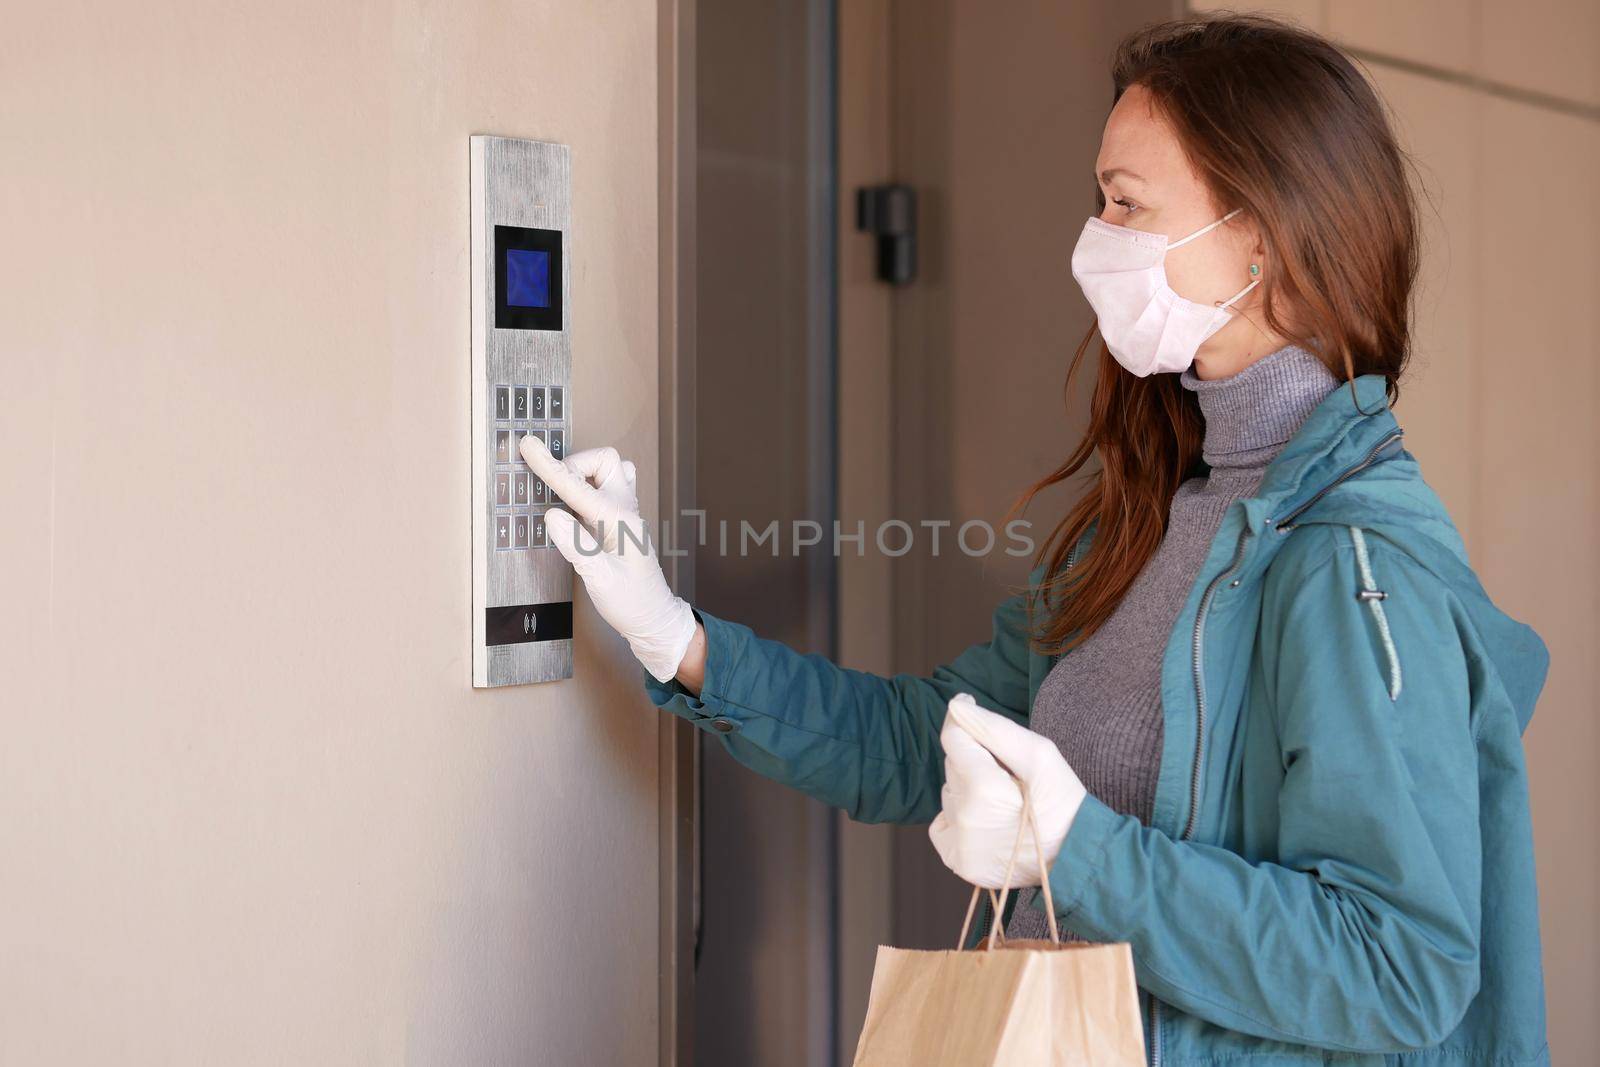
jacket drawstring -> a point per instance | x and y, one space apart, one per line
1374 598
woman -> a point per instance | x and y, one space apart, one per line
1270 722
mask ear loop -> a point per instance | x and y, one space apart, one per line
1222 304
1205 229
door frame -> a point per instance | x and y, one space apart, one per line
678 742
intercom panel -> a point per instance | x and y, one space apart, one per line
521 385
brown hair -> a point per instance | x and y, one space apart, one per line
1278 121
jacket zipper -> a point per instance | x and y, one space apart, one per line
1283 525
1199 754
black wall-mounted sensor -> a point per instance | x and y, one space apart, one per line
890 213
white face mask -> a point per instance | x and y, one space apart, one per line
1147 326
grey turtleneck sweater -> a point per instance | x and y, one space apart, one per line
1101 703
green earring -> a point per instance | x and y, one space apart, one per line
1255 271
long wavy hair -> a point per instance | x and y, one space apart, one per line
1279 121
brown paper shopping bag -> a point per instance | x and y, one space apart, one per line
1009 1004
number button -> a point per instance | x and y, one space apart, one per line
519 532
519 488
519 402
502 489
536 403
502 446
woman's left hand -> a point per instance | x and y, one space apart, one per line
975 831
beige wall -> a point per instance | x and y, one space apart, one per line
1500 104
253 811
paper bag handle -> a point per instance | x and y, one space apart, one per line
999 903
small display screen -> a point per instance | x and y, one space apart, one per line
527 278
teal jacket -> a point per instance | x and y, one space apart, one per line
1339 868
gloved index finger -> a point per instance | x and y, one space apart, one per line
590 504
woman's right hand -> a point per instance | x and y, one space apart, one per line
608 545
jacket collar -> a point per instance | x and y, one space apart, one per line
1340 438
1339 434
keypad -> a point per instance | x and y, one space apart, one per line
519 497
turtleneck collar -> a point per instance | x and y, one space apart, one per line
1250 415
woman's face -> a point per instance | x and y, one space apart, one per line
1149 185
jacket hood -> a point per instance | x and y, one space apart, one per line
1348 465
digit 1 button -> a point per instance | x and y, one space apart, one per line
502 489
557 402
519 488
519 532
502 402
519 402
558 445
502 446
502 531
536 403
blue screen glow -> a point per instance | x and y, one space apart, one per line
527 278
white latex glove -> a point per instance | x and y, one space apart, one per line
977 829
624 580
